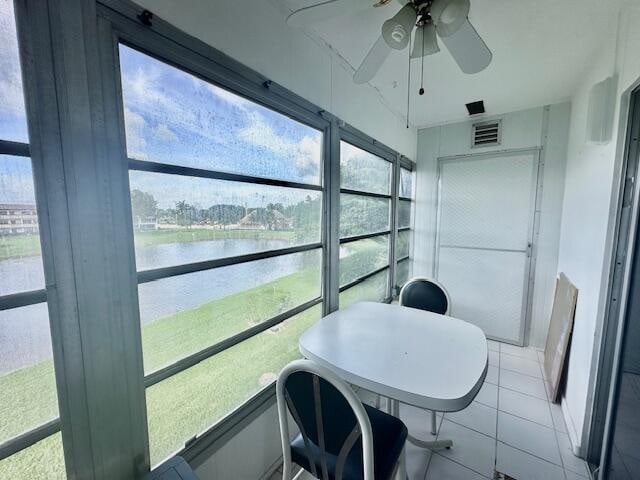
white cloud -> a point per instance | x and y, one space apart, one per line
231 98
164 133
135 126
305 152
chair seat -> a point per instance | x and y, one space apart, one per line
389 435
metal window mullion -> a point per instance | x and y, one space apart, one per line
361 193
395 188
332 220
22 299
91 298
361 279
157 167
402 259
16 149
364 236
193 359
145 276
403 229
29 438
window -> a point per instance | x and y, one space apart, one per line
28 398
405 234
226 200
365 207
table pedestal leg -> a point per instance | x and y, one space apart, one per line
393 407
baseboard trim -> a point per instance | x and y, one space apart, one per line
571 430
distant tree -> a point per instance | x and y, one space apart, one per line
186 214
143 205
225 214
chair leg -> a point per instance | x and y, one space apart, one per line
401 469
434 428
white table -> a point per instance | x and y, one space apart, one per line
420 358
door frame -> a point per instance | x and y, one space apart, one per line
534 221
621 257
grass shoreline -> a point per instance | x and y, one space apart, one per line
28 244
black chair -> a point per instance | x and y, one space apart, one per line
425 294
340 438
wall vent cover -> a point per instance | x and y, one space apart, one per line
486 134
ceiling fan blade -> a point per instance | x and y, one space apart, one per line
325 10
425 41
373 61
468 49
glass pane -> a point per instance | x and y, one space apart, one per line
404 213
403 243
374 289
174 117
180 317
180 220
27 382
403 272
41 461
406 183
190 402
20 258
13 119
364 171
362 257
360 215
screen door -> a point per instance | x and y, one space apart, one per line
483 247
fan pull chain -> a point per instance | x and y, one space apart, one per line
409 83
421 91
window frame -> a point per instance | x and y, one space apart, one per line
360 140
203 63
405 164
48 64
28 297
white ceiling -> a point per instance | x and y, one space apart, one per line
540 50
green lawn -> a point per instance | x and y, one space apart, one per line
12 246
193 400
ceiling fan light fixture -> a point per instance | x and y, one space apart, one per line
449 15
397 30
425 41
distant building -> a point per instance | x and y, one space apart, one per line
145 223
17 218
262 219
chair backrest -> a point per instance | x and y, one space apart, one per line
327 412
425 294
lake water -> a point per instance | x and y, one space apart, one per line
24 332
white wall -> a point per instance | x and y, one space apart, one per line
255 33
591 183
249 455
532 128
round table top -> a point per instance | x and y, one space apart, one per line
420 358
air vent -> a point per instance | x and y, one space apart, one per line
486 134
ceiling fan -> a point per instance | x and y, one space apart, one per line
447 19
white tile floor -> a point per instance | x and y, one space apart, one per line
510 427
